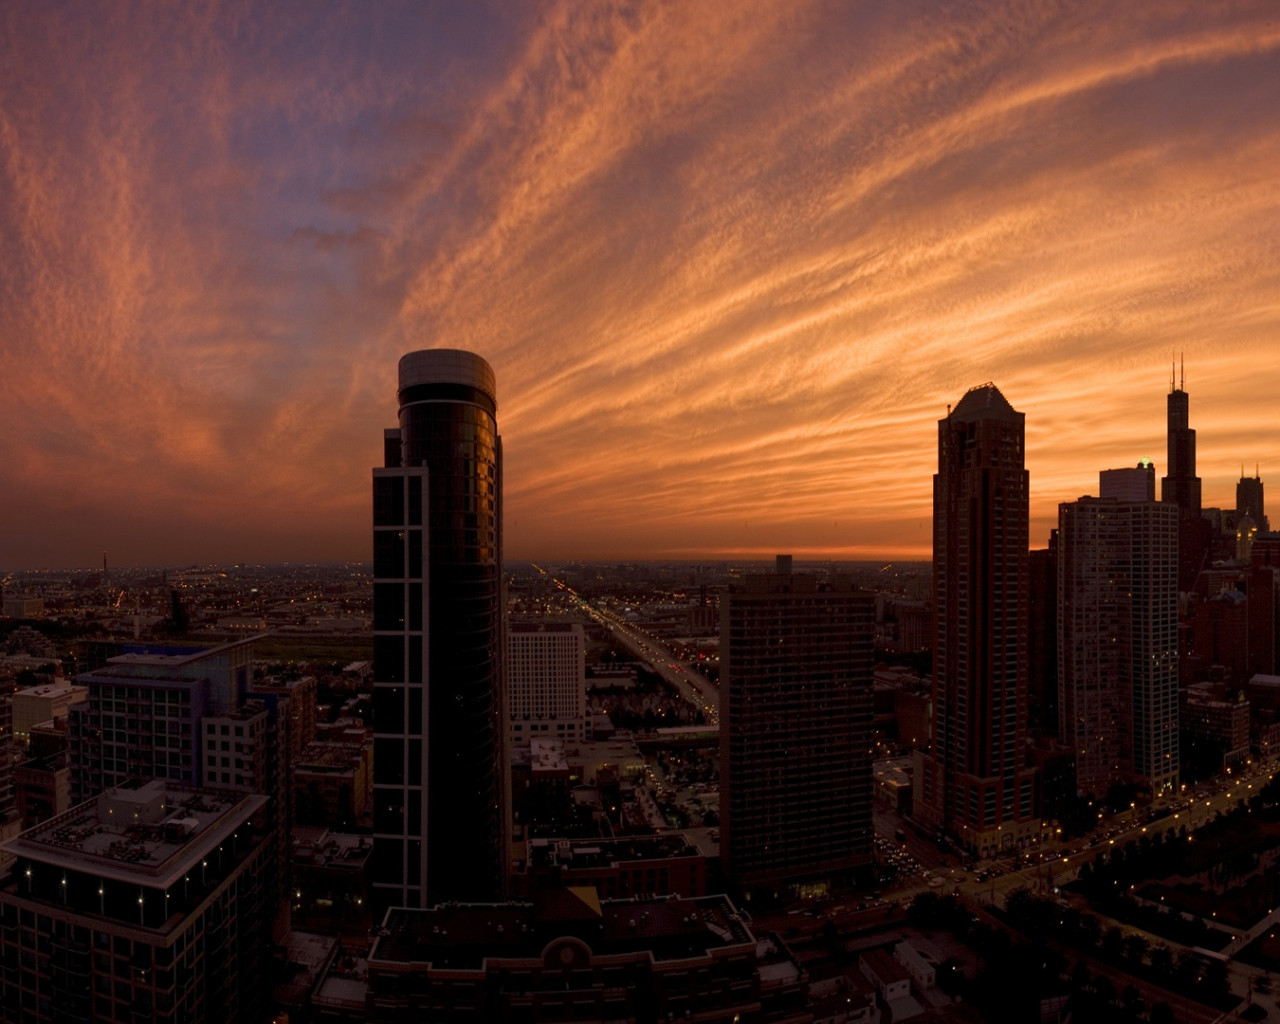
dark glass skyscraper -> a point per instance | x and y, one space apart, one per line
1182 488
437 540
1249 500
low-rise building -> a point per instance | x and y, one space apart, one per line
569 956
654 865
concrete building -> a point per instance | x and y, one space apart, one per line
1217 719
145 903
975 783
546 682
1137 483
795 729
142 716
37 704
331 881
1118 642
333 784
440 793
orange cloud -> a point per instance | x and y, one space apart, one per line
730 262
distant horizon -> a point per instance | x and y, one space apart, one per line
798 560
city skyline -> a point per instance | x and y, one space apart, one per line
730 265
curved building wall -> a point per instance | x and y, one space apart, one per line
438 630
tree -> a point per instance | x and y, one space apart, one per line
1217 981
1161 961
1112 944
1135 947
1161 1014
1090 930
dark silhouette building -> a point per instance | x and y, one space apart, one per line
1249 500
1181 487
974 783
1118 642
438 789
795 731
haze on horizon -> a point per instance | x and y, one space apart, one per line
730 262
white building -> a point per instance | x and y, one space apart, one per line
547 682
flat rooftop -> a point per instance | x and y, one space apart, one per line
463 937
149 834
595 853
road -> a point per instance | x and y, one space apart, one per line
692 685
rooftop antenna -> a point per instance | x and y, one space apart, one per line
1182 383
1173 375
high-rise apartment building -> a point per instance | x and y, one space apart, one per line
188 715
1117 642
142 719
546 682
438 702
795 729
974 783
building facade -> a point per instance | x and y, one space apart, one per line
146 903
974 783
439 719
546 682
1117 642
795 730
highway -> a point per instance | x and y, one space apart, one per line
692 685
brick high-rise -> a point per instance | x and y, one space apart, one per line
974 784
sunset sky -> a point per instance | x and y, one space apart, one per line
730 262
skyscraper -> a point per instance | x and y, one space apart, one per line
1182 488
974 782
795 730
1117 642
438 716
1249 500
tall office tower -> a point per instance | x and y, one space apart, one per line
1249 500
974 782
795 730
1182 488
438 717
1117 642
1136 483
546 682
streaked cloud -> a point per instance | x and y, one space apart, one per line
730 262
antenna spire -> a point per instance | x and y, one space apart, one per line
1182 359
